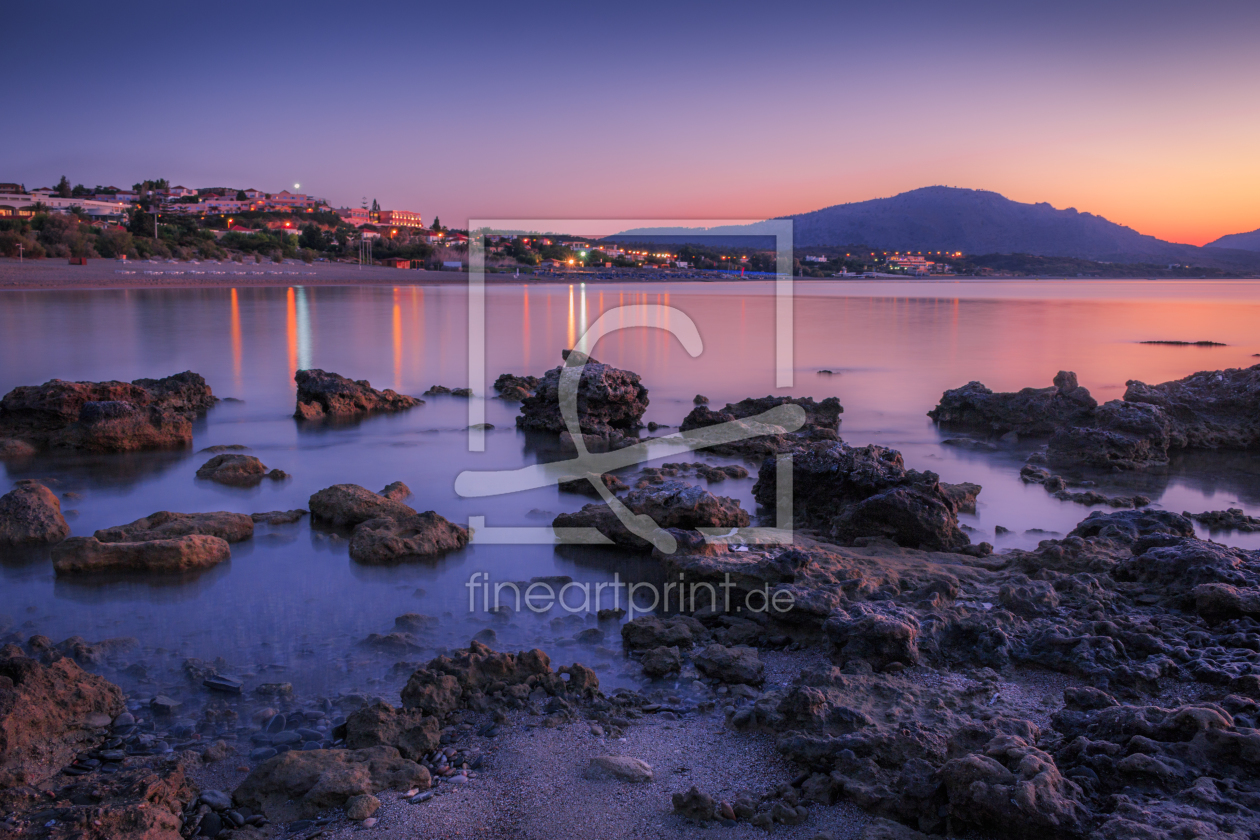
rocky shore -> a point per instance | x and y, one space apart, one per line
874 675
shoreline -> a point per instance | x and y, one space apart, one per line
101 275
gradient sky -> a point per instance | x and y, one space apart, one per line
1143 111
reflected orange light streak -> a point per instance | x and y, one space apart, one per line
572 323
236 339
291 331
525 328
398 341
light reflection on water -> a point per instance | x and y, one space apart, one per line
293 596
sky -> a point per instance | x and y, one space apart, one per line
1146 112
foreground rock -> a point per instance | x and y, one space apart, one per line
48 714
300 783
325 394
610 401
674 504
1150 632
478 676
142 799
88 555
849 493
106 416
30 514
1207 410
238 470
165 525
349 504
420 535
821 422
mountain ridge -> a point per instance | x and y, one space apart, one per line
948 219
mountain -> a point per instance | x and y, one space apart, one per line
1238 241
974 222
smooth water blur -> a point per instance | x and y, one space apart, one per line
292 597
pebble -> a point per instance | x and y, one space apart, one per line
421 797
262 754
369 822
275 723
211 825
216 799
228 685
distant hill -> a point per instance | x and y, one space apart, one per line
1238 241
974 222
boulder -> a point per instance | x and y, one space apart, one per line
30 514
1015 785
413 732
361 807
48 714
852 492
610 402
350 504
165 525
1120 435
661 662
651 632
674 504
12 450
879 639
396 491
88 555
420 535
106 416
279 517
620 768
1034 412
738 664
301 783
237 470
325 394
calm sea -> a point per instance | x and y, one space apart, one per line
292 600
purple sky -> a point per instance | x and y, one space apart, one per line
1144 112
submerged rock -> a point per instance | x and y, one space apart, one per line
238 470
325 394
86 555
30 514
48 714
421 535
350 504
106 416
610 401
163 525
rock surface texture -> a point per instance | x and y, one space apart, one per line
1207 410
849 493
48 713
610 401
106 416
673 504
30 514
165 525
325 394
88 555
820 421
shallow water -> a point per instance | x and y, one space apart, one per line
293 599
